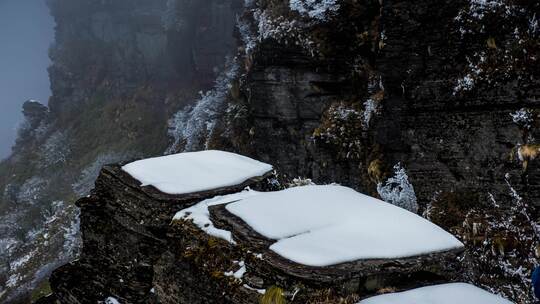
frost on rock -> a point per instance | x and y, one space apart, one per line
283 30
315 9
398 191
191 127
439 294
248 37
300 181
200 215
370 109
329 225
193 172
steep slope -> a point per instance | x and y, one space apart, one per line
120 69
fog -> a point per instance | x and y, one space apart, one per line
26 31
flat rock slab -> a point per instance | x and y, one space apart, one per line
329 225
324 233
196 172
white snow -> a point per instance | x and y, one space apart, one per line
111 300
440 294
328 225
195 171
200 215
239 273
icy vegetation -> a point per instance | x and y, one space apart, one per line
89 174
55 150
191 127
196 171
315 9
397 190
31 189
439 294
367 228
523 118
248 37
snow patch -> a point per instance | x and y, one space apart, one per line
200 215
328 225
439 294
239 273
196 171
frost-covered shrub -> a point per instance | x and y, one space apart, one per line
397 190
191 127
341 128
247 35
319 10
504 33
283 30
523 118
502 242
55 150
372 104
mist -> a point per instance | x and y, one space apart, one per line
26 31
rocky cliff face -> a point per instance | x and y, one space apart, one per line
440 98
120 69
426 104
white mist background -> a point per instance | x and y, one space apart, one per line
26 31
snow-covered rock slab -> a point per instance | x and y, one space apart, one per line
440 294
328 225
200 215
196 171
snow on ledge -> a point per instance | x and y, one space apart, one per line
195 171
440 294
328 225
200 215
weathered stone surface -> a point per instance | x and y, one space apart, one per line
124 229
